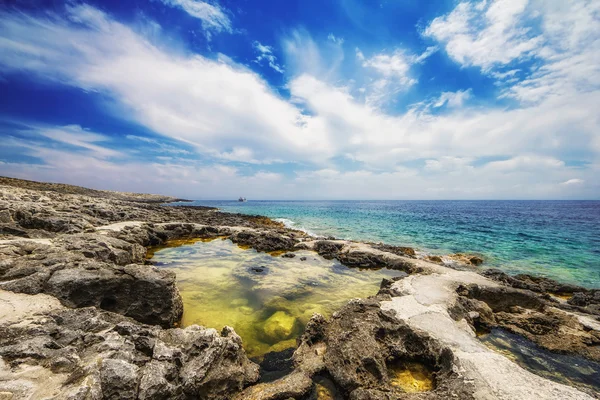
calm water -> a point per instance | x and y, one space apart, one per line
557 239
561 368
267 299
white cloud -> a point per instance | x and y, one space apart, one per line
335 39
305 56
453 99
396 65
392 72
426 54
560 38
526 162
448 164
266 53
212 15
392 75
211 105
485 34
573 182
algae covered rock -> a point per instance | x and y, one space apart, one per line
280 326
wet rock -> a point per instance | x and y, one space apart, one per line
524 313
460 260
264 241
501 298
435 259
289 255
328 249
259 270
579 299
276 365
386 285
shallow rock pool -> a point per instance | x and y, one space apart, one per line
267 299
562 368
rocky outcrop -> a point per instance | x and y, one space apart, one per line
527 314
92 270
578 298
264 241
534 283
359 255
88 353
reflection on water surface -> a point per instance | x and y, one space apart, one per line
267 299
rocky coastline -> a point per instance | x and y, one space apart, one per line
83 315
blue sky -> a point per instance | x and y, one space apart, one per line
340 99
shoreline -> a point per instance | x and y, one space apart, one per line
89 253
450 255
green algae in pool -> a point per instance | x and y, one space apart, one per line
267 300
567 369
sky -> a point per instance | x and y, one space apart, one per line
306 99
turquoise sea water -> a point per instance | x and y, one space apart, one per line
557 239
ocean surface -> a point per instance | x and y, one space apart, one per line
556 239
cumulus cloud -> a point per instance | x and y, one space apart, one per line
495 35
484 33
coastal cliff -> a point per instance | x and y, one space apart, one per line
85 316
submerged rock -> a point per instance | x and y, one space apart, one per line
279 326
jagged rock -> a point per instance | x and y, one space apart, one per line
328 249
77 270
264 241
524 313
5 217
99 353
93 255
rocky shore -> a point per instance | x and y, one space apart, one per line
83 315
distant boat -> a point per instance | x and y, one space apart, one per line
242 199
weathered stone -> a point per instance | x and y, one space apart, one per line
123 359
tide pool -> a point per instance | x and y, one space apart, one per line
267 300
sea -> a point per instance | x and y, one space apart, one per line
555 239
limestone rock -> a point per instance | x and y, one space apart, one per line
118 358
